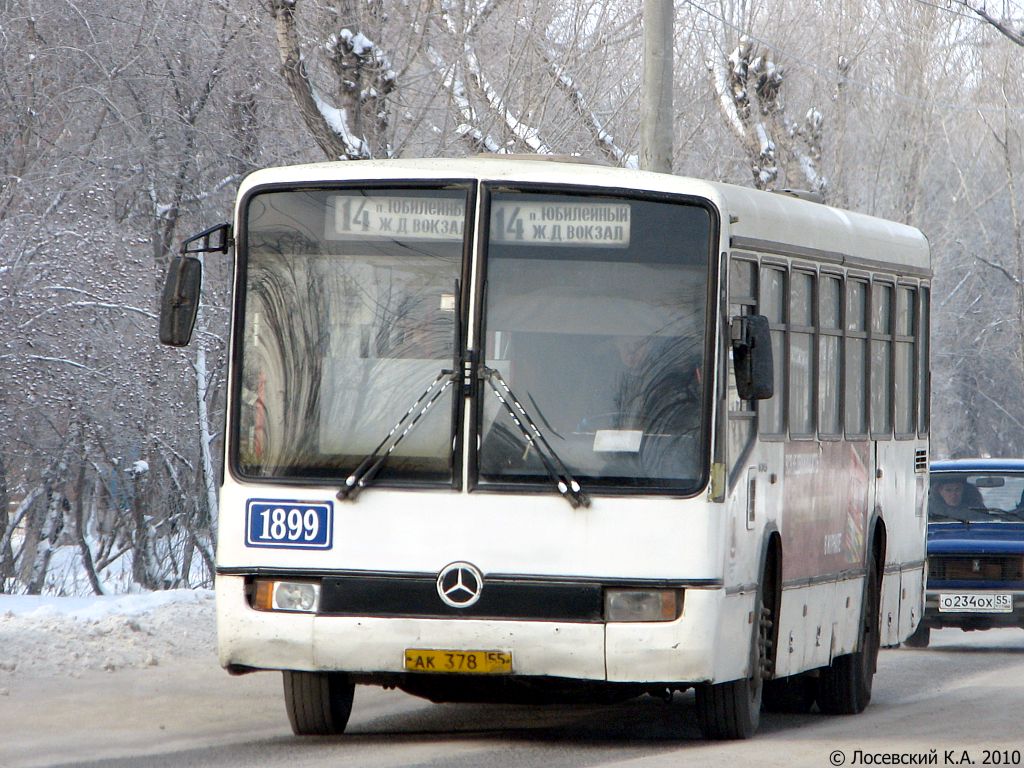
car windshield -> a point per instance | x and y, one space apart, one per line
595 315
976 497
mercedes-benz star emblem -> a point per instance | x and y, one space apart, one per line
460 584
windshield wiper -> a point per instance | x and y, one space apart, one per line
939 517
960 517
368 468
563 480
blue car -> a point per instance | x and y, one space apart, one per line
975 546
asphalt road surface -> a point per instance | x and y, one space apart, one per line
959 700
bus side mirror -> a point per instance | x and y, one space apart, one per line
180 301
752 357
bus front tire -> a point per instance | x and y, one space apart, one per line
318 703
844 687
729 710
732 710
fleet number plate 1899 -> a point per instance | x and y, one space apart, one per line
288 524
464 662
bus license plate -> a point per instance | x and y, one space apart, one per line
459 662
967 603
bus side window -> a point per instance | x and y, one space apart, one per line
906 386
856 357
830 350
924 365
772 304
881 360
801 353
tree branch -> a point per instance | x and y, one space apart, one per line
1001 269
293 70
1004 28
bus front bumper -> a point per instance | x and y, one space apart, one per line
694 648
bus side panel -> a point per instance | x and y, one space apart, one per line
826 494
817 623
846 615
805 628
826 498
889 621
912 589
899 498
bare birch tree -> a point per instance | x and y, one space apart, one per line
747 82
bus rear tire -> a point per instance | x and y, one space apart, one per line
318 703
791 695
844 687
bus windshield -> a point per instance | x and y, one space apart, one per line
596 316
349 315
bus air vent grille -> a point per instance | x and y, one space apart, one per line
920 461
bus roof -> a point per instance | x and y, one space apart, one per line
752 219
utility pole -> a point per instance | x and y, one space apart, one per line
656 107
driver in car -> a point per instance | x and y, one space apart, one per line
955 499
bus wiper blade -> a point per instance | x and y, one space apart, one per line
563 480
368 468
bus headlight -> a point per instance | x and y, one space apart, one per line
642 604
271 595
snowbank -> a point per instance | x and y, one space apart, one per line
61 636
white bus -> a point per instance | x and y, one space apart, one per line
517 430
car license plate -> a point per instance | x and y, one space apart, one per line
972 603
464 662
